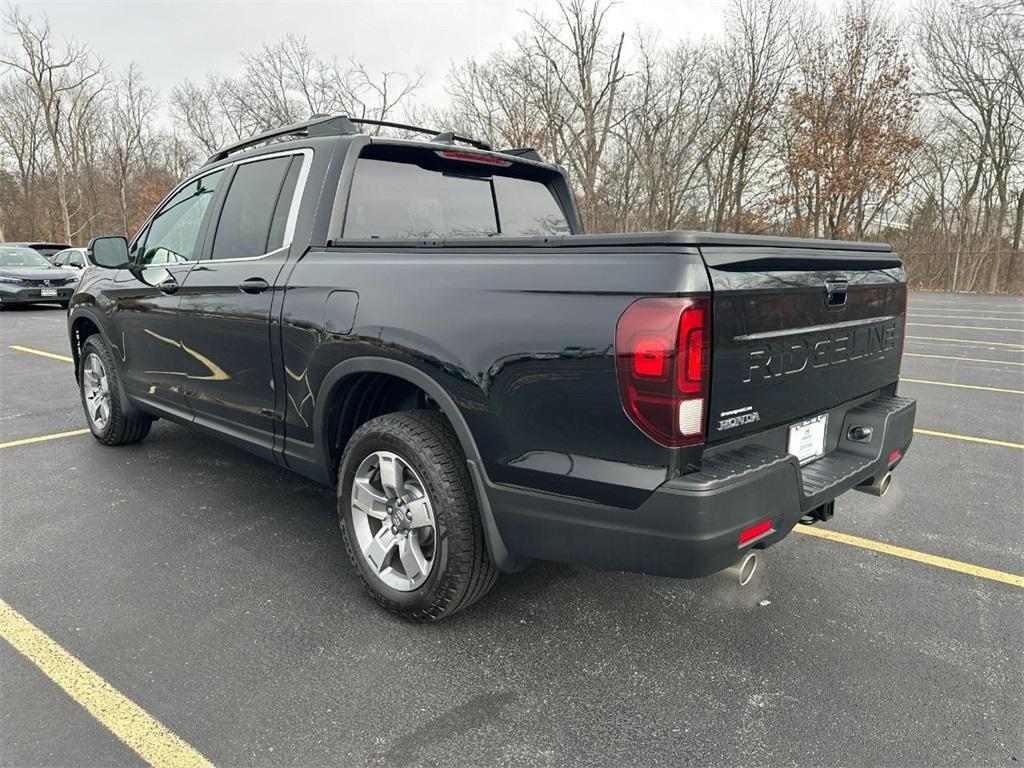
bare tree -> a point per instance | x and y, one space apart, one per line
654 179
282 83
131 111
754 66
55 77
850 115
585 61
208 114
970 77
496 100
22 136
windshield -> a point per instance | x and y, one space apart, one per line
15 256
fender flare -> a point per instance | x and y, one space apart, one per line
98 320
90 314
495 544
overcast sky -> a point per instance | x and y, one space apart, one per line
174 40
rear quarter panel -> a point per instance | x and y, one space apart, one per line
520 336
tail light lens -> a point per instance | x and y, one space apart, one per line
662 355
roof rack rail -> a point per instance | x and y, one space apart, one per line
336 125
441 137
317 125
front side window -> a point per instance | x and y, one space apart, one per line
397 200
257 204
174 231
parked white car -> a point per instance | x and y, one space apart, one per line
71 258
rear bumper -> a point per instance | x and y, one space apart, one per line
690 526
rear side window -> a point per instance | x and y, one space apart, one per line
252 220
525 211
396 200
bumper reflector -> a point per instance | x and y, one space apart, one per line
895 456
751 533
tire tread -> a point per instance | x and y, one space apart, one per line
470 571
121 429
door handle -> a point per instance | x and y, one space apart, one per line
168 285
253 285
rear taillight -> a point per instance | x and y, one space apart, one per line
662 355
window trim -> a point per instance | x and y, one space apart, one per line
229 168
293 209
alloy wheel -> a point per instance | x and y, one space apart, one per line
393 521
96 389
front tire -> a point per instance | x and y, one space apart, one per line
409 517
101 397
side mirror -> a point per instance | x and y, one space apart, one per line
109 251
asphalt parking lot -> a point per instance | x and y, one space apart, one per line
212 591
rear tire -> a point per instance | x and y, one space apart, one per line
452 568
100 390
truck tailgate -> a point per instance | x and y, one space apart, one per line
797 331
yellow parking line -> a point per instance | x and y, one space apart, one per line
968 327
1001 309
964 386
1012 579
149 738
43 438
964 359
41 353
969 317
969 438
968 341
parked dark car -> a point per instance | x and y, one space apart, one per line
424 326
46 250
28 278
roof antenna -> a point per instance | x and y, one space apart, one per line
447 137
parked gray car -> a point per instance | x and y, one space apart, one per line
28 278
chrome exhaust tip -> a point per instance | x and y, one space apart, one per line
743 569
877 487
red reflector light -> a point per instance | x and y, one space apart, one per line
662 360
649 357
473 157
751 533
894 457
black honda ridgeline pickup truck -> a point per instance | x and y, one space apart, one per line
424 325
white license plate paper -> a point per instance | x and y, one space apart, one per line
48 292
807 439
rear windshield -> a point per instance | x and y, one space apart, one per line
393 199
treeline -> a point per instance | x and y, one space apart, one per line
852 125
